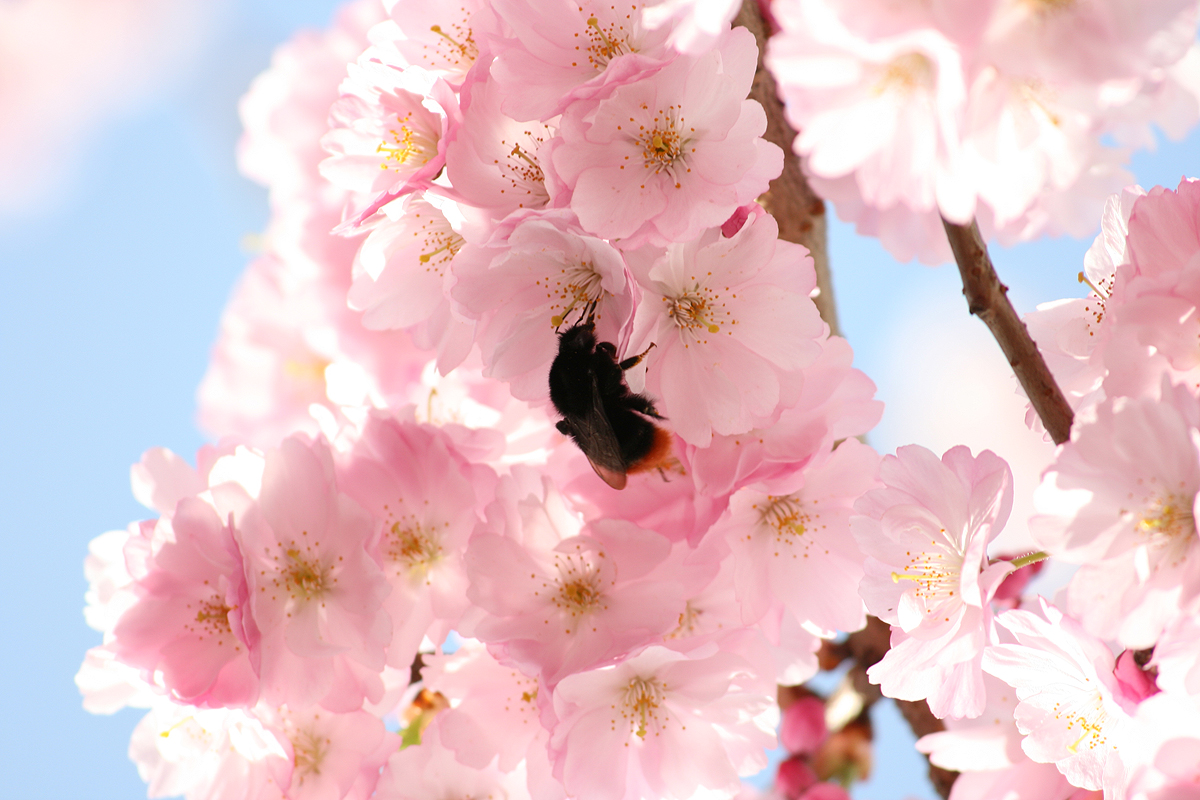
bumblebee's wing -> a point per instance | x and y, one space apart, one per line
594 434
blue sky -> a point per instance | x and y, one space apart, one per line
110 303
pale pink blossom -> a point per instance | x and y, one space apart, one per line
402 278
927 573
428 498
493 162
546 277
191 618
1168 765
662 724
331 755
316 593
285 112
557 52
1120 500
732 325
288 343
443 38
695 25
887 109
836 401
1109 38
579 602
389 134
1177 653
792 544
663 158
495 715
429 771
209 754
1071 708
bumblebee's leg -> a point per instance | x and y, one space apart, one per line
633 361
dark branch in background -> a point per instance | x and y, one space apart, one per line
987 298
793 203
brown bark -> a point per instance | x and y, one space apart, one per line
795 206
987 298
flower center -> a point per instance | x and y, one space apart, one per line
906 73
213 618
461 51
578 286
1169 524
523 170
664 143
640 703
935 575
408 146
413 547
1088 717
305 579
1049 6
1096 304
309 750
605 42
441 242
698 310
580 588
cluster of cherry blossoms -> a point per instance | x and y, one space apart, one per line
999 110
394 577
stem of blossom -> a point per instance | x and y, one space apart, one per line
1029 558
987 298
795 206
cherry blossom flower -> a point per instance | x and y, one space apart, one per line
836 402
663 158
925 536
694 25
661 724
428 497
429 771
887 109
545 278
402 276
316 593
494 162
330 755
1119 500
791 541
1071 709
987 752
389 135
559 52
209 754
1110 38
496 714
191 619
438 37
731 322
556 597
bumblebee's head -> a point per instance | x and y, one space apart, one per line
581 337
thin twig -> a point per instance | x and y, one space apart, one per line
987 298
795 206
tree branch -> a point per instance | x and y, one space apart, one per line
987 298
795 206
